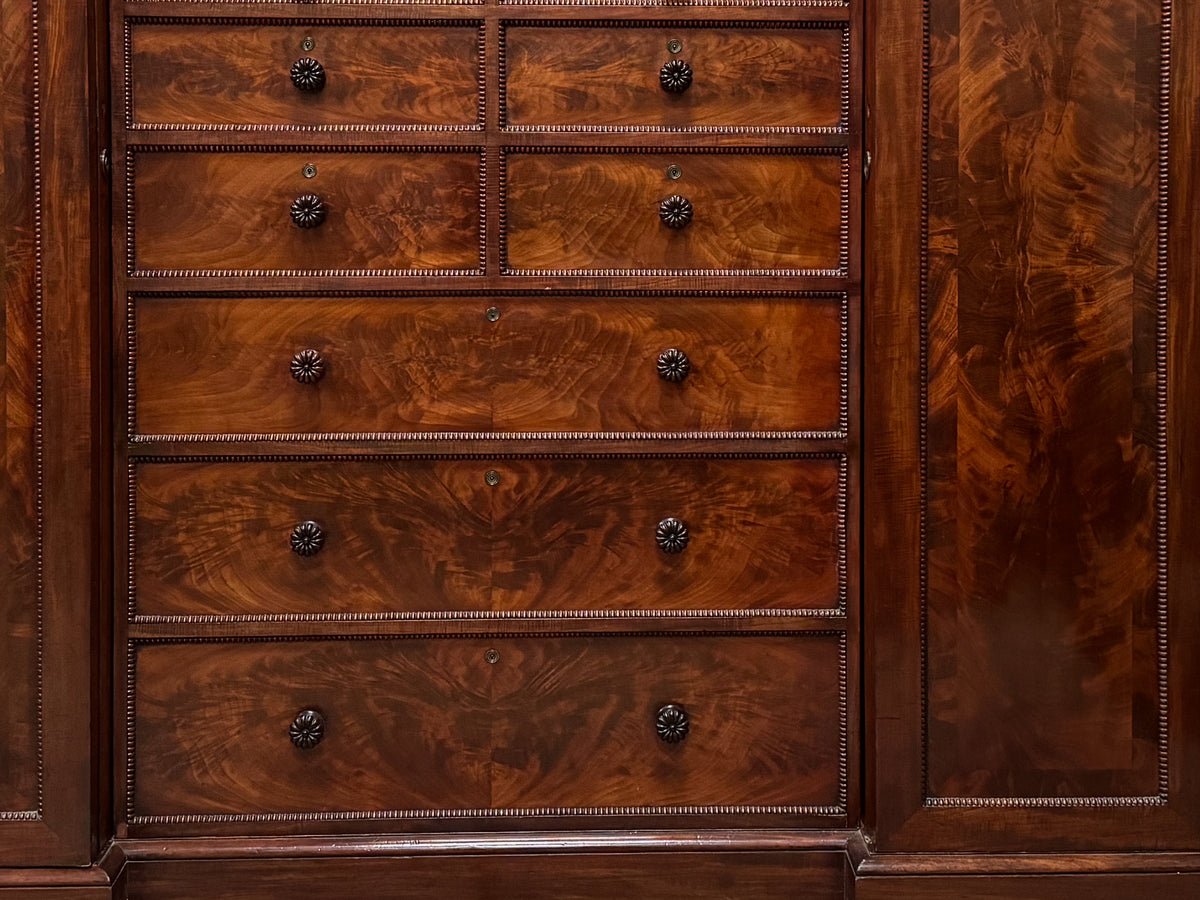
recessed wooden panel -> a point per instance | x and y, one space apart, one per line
419 535
603 75
488 725
221 366
1043 476
781 212
217 212
201 73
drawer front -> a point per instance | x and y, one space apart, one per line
494 725
579 212
611 76
225 366
393 74
413 536
236 212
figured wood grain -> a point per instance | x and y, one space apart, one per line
18 390
402 728
592 211
574 722
609 76
214 365
1042 420
229 211
392 74
409 536
413 535
433 724
556 876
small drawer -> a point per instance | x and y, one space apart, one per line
211 365
420 536
311 74
579 212
788 76
491 726
224 212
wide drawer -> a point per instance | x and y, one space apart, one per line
230 212
675 76
491 725
185 73
395 365
623 213
414 536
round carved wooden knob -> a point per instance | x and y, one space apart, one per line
675 76
308 75
307 539
673 365
671 535
308 211
307 729
671 723
308 367
675 211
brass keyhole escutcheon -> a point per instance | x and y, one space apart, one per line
492 657
310 171
492 314
491 478
674 46
308 45
674 172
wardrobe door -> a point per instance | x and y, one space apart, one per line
1030 361
49 431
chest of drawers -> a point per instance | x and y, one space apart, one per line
490 424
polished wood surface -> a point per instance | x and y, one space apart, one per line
483 724
1176 886
598 876
213 212
214 365
599 211
189 73
428 535
744 77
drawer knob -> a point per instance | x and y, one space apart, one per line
673 365
308 75
675 211
671 535
308 367
308 211
671 723
307 539
675 76
307 729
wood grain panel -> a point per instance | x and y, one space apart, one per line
550 876
19 291
574 722
215 539
1042 478
214 212
414 535
213 365
404 727
604 76
579 534
592 211
392 74
434 724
